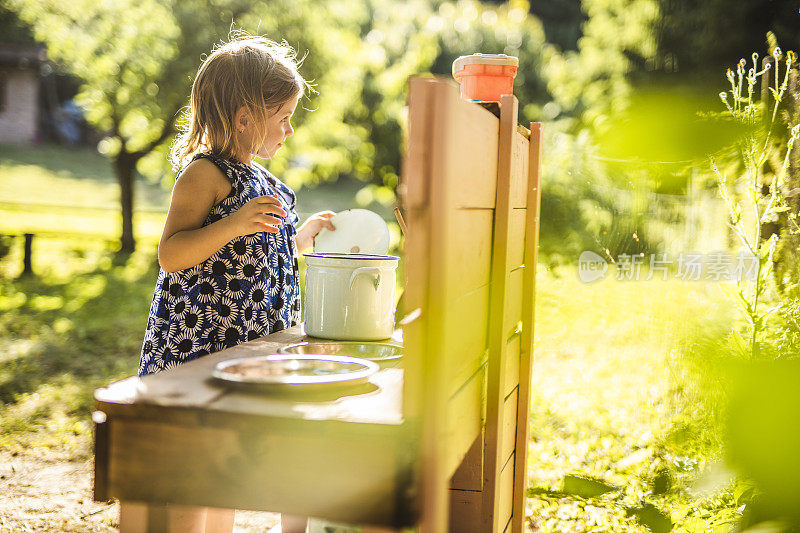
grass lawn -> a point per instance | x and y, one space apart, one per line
56 191
617 407
619 397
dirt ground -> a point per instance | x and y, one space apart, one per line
53 494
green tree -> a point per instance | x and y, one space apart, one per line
135 68
706 37
136 61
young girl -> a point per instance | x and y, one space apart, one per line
229 249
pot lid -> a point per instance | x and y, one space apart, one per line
358 231
359 257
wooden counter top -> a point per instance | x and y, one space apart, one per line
190 386
181 436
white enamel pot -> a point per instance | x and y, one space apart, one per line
350 296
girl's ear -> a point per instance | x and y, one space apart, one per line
241 119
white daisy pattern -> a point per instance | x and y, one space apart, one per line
223 314
259 294
247 289
236 286
193 320
247 269
183 345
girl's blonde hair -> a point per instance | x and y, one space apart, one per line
250 72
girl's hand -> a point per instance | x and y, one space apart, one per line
312 227
262 213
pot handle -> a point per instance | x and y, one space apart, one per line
373 272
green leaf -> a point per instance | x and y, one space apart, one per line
743 492
586 487
651 517
678 514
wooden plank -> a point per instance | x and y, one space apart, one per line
256 467
519 171
498 335
465 334
511 368
465 511
508 435
475 163
469 474
528 305
505 505
434 453
413 189
464 421
415 182
516 239
512 311
470 248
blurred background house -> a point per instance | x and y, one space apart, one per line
36 95
20 106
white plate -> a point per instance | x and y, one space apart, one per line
358 231
371 351
297 370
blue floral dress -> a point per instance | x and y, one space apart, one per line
247 289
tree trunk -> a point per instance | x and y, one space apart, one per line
125 168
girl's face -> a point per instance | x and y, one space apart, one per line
279 127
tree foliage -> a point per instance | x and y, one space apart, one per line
136 61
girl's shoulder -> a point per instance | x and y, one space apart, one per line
232 170
202 174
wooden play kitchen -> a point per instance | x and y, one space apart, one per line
434 440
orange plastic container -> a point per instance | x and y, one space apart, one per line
485 77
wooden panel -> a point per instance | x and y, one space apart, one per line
413 189
259 468
451 152
464 421
519 171
509 432
498 331
506 493
513 307
470 249
516 239
511 367
465 511
528 299
435 452
469 474
465 331
463 150
415 299
475 160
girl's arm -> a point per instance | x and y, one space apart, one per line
184 241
